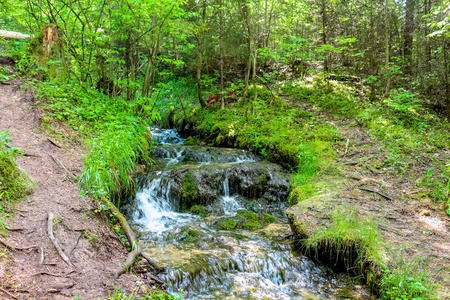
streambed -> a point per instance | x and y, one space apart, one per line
232 244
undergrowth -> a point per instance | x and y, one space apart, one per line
116 132
154 295
408 130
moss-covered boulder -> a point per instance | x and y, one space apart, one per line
190 141
246 220
199 210
15 184
204 184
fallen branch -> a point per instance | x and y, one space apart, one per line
135 249
54 241
8 293
376 192
14 35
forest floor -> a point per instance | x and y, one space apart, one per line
39 272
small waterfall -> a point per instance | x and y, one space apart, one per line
155 212
229 203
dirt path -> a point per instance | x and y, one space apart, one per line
98 252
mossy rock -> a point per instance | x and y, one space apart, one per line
190 234
14 182
251 224
189 191
190 141
198 210
268 218
227 224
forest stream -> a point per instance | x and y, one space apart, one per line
237 248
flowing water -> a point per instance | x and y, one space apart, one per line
208 261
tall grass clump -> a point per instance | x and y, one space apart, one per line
350 235
116 132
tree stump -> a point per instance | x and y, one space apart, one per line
51 39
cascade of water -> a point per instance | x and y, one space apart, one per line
240 264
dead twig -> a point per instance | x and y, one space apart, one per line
8 293
346 148
179 172
53 143
54 241
376 192
75 245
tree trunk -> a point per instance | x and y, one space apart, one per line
199 71
222 100
408 35
372 52
324 33
51 38
387 48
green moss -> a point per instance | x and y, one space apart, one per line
227 224
190 187
190 141
189 158
268 218
263 179
247 215
251 224
14 182
198 210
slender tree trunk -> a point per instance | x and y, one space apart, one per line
372 52
222 100
387 43
427 8
445 51
408 35
324 33
246 25
199 70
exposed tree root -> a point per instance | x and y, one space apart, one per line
136 250
8 293
58 162
41 261
54 241
76 244
15 248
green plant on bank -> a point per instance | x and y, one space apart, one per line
400 284
348 230
154 295
437 180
